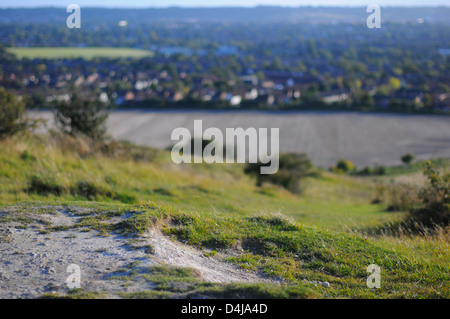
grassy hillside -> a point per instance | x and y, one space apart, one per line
304 240
141 174
85 53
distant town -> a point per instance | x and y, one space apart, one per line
198 63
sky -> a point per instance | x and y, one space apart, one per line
213 3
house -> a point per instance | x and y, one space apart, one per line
334 96
251 95
403 96
129 96
235 100
176 96
443 102
92 78
249 79
267 84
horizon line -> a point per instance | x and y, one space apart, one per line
225 6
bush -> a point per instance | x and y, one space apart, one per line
82 116
343 166
407 158
379 170
292 169
436 202
430 215
368 171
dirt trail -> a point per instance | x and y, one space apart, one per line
34 261
211 269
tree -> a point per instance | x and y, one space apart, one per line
82 116
407 158
293 168
395 83
11 114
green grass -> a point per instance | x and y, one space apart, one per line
303 239
415 167
172 282
53 171
75 52
300 255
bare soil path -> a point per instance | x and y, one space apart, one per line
34 261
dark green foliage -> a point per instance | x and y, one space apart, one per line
49 185
82 115
407 158
293 168
375 171
366 171
45 185
379 170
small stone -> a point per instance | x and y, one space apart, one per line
326 284
52 288
50 271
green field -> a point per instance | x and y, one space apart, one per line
85 53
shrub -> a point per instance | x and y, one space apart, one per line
293 168
366 171
343 166
435 211
379 170
407 158
431 213
82 116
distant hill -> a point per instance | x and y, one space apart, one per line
262 14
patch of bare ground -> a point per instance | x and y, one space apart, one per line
37 247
